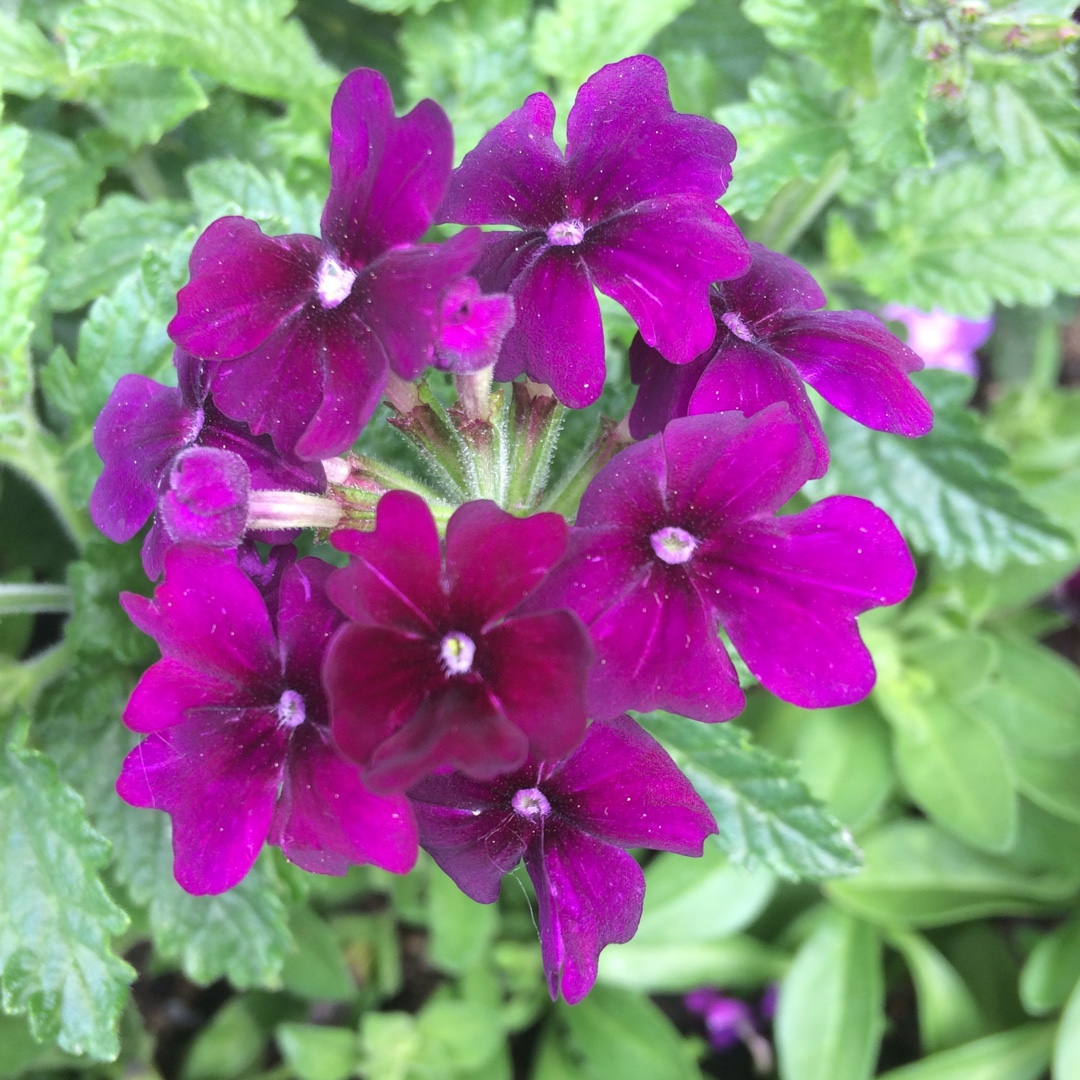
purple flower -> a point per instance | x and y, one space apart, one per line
630 209
170 450
570 821
678 536
472 329
238 748
942 340
729 1021
769 340
435 670
319 323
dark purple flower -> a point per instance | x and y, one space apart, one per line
770 338
630 209
319 323
146 435
678 536
472 329
570 821
942 340
238 748
434 670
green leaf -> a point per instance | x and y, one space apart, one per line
948 1013
21 279
141 102
226 186
319 1053
830 1011
460 930
1049 781
29 64
916 875
1020 1054
56 919
1067 1044
947 492
232 1042
397 7
787 130
576 37
58 172
316 967
248 44
463 1035
473 58
1052 969
764 812
963 238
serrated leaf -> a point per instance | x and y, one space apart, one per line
948 492
961 239
113 238
473 58
765 814
56 171
787 129
576 37
141 102
247 44
830 1011
56 919
1020 1054
227 186
29 63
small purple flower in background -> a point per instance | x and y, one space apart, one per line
770 338
630 209
679 536
730 1021
169 451
570 821
238 749
472 329
942 340
434 669
316 325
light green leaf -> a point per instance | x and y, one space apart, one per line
56 919
948 1013
461 1035
1052 969
56 171
397 7
764 812
1050 781
577 37
141 102
232 1042
319 1053
830 1012
1067 1044
29 64
964 238
473 58
947 492
916 875
1020 1054
460 930
316 967
226 186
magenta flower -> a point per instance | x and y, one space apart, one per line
769 340
238 749
170 452
679 537
942 340
630 209
435 670
316 325
472 329
570 821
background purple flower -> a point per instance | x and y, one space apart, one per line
569 820
770 339
942 340
319 323
434 669
238 748
630 210
679 536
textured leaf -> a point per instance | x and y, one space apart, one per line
964 238
56 171
916 875
226 186
247 44
764 812
56 919
830 1012
1020 1054
140 102
29 64
473 58
947 492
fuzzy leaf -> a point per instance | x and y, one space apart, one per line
764 811
226 186
948 492
56 919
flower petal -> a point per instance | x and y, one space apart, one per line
207 498
774 286
306 620
664 388
472 327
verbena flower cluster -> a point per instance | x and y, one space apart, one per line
463 683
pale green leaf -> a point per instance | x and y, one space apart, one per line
397 7
1067 1045
1020 1054
830 1011
56 919
29 63
141 102
319 1053
226 186
764 812
1052 969
57 171
460 930
232 1042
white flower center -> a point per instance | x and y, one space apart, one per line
673 545
531 802
334 282
290 709
566 233
737 325
456 651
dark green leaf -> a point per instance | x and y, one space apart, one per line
764 812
